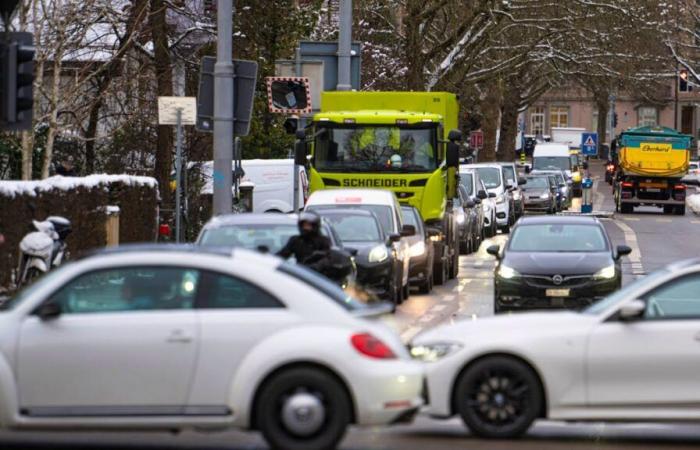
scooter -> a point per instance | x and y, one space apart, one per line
43 249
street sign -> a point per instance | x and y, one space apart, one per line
476 139
589 144
327 52
168 108
245 77
313 70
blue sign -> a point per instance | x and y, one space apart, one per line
589 144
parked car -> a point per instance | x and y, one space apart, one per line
379 270
693 176
422 250
630 357
269 233
492 176
538 194
514 181
386 207
556 262
154 338
471 226
477 191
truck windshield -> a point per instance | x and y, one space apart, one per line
388 148
552 162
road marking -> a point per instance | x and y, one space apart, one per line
459 288
449 298
695 221
427 318
438 308
663 220
479 263
635 258
630 219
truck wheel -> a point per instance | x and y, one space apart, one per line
668 209
303 409
626 208
680 210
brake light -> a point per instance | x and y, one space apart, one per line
627 184
680 187
370 346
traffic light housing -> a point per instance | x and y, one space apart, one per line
16 82
683 80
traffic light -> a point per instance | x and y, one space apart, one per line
16 82
683 80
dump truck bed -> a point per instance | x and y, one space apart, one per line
654 152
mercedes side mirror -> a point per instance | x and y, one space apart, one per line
483 195
632 311
494 250
470 204
492 195
623 250
408 230
49 310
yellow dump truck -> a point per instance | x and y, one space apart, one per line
650 164
397 141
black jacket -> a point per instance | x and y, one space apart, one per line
303 247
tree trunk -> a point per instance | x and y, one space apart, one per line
413 47
491 112
164 82
53 116
509 123
601 103
27 154
91 135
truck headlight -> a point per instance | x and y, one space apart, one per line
417 249
507 273
378 254
434 352
606 273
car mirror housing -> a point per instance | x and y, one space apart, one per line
408 230
49 310
632 311
477 201
482 194
394 237
522 181
492 195
494 250
623 250
470 204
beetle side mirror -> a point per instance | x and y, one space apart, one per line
494 250
632 311
49 310
623 250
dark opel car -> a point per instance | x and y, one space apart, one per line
556 262
421 251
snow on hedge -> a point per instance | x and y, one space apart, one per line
32 188
693 202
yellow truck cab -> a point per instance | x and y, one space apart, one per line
394 141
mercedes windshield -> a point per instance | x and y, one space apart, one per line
375 148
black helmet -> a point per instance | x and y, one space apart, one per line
312 219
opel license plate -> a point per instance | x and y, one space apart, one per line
558 292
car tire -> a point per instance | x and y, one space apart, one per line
503 386
279 426
399 292
464 247
505 229
454 267
406 291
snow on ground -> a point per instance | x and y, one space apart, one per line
693 202
14 188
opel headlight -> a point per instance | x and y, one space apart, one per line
378 254
434 352
500 199
507 272
460 219
417 249
545 196
606 273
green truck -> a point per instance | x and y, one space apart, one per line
401 141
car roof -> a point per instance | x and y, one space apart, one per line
494 165
352 196
563 220
251 219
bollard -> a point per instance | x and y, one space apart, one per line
586 201
112 225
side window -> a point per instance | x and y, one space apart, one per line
226 292
129 289
678 299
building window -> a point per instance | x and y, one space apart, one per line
648 116
594 125
558 116
537 120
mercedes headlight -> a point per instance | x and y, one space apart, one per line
378 254
417 249
545 196
606 273
507 272
434 352
500 199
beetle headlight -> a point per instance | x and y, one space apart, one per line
434 352
378 254
544 196
606 273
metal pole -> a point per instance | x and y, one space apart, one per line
612 119
344 46
301 124
223 109
677 87
178 174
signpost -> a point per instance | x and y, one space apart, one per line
177 111
476 139
589 144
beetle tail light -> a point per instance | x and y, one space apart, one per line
371 346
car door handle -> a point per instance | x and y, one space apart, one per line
179 337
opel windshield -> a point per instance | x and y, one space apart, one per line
380 148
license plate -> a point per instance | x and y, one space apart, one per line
558 292
652 190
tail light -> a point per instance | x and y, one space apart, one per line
369 345
679 187
627 184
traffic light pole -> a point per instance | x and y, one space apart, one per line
223 110
344 46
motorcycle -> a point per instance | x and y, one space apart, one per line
43 249
335 264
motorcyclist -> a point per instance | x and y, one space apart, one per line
309 246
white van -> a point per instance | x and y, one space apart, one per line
273 183
551 156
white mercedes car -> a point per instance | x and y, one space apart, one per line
169 338
634 356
